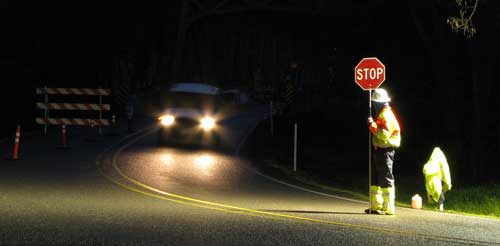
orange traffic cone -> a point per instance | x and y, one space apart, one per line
15 154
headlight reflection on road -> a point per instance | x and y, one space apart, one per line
204 163
167 159
167 167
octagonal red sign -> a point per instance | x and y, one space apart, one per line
369 74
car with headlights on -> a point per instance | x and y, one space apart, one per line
190 115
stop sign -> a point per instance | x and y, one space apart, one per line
369 73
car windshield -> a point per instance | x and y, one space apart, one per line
174 99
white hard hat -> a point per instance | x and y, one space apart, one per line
381 96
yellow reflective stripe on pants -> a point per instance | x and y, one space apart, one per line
389 196
376 197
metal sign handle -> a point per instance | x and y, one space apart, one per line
370 154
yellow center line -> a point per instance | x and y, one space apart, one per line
128 187
244 211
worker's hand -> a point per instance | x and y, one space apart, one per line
446 188
370 120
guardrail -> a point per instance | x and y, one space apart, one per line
48 106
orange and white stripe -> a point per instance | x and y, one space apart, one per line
72 121
73 91
73 106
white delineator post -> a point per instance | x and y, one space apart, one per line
271 118
295 148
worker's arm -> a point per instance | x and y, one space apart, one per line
380 128
372 126
445 170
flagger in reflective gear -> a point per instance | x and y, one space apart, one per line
437 177
386 137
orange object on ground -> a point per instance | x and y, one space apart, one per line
416 202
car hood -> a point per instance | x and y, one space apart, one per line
185 112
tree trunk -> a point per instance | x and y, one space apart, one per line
475 155
230 57
243 58
152 68
179 44
203 43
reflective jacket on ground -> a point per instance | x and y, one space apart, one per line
437 174
385 129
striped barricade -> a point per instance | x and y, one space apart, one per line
73 106
72 121
50 106
73 91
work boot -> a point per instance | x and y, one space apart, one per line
389 196
377 211
441 202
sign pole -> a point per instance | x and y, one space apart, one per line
370 154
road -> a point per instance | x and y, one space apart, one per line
125 190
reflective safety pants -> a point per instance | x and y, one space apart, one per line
376 197
389 195
382 177
383 159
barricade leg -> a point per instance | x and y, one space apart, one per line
113 131
64 139
93 135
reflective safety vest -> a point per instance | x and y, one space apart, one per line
437 174
385 129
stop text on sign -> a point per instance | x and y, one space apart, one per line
369 73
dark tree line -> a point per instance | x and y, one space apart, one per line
463 98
